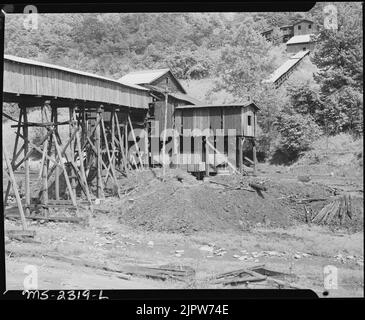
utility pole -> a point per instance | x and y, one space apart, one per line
164 132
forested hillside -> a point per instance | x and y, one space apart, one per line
228 50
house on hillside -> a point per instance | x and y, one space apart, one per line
303 27
298 36
298 43
287 32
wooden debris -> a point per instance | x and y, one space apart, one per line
238 277
273 274
255 274
21 235
125 271
50 218
338 208
257 186
241 187
311 199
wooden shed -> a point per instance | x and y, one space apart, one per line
241 117
230 126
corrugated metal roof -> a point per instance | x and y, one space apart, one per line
243 104
53 66
304 38
143 76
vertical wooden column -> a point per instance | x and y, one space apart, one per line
254 156
126 141
45 183
99 192
135 142
26 165
240 154
57 169
113 137
72 148
121 145
206 157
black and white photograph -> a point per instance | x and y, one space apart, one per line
183 150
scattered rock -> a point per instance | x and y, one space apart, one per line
206 248
150 243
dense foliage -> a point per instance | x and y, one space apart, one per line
226 47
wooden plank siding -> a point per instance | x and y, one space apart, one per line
232 120
37 80
226 118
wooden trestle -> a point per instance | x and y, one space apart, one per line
94 154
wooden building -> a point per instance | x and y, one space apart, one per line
104 117
233 124
290 32
165 89
304 26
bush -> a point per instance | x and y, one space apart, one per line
296 133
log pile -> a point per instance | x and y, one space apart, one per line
336 209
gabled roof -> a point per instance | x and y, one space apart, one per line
304 38
143 76
147 77
57 67
302 21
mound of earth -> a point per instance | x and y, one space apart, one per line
189 205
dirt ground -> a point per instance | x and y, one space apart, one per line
204 225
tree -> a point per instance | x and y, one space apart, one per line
339 58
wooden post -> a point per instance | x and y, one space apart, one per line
15 188
164 132
14 156
26 149
240 154
73 198
109 158
72 147
206 157
44 182
254 157
135 141
82 169
99 192
113 137
57 169
121 145
126 141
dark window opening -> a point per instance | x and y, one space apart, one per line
309 26
304 48
299 27
151 109
248 120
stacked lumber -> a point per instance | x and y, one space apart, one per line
336 209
